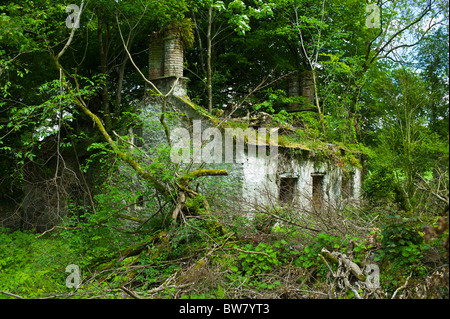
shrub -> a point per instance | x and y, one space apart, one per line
259 259
32 267
402 250
310 254
401 240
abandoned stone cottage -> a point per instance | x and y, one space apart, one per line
288 172
260 171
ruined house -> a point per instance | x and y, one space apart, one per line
282 170
296 173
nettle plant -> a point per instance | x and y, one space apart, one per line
310 258
263 258
401 239
260 259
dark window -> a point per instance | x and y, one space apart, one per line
139 204
287 190
347 187
138 135
317 191
140 201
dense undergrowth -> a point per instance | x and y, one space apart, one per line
193 260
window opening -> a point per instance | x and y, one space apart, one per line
317 191
347 187
138 132
287 190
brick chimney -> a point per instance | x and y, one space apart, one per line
165 55
156 56
301 84
307 86
166 62
173 54
293 89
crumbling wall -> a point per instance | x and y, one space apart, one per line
300 166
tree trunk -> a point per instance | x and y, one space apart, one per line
208 61
120 82
103 51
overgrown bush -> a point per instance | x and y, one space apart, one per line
379 185
260 259
310 254
31 267
402 250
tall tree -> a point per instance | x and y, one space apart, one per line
433 62
406 144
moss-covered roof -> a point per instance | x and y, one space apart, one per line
288 137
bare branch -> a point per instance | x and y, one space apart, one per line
132 61
402 287
10 294
69 41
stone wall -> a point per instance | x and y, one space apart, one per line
253 182
302 168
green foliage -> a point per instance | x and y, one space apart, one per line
402 250
264 222
405 145
380 185
401 240
259 259
400 113
31 267
310 254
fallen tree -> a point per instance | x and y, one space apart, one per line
349 276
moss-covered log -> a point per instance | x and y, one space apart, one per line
203 172
131 251
335 257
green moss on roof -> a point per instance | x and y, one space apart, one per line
198 108
291 142
339 152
